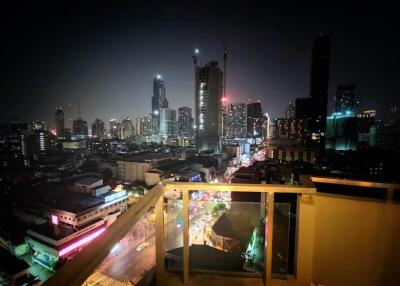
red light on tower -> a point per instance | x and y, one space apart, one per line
224 100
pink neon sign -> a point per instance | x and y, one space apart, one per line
81 242
54 219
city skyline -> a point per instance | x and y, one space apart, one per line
111 71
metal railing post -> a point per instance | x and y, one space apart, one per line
185 214
269 221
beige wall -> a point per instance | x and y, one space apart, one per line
133 171
152 178
342 241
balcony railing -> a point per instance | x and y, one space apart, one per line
189 235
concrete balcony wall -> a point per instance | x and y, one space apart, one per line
345 241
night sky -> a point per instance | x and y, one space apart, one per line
106 54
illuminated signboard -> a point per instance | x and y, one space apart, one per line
114 196
54 219
81 242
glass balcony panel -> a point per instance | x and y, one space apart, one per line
281 240
225 235
130 260
173 231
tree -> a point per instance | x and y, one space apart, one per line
90 166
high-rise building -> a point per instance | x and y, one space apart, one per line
37 141
144 126
158 101
341 131
39 125
79 128
266 127
185 122
126 129
59 121
367 129
114 127
208 96
290 112
11 135
236 121
289 129
167 122
314 108
320 77
254 119
98 130
345 98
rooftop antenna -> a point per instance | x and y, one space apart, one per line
195 55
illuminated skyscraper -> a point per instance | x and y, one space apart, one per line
126 129
208 96
98 129
158 101
38 125
144 126
114 128
37 141
341 131
236 125
290 111
314 108
185 122
167 122
367 129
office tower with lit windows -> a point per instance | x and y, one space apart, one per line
185 122
341 131
38 125
59 119
37 141
126 129
208 96
266 127
144 126
314 108
254 119
114 127
236 120
290 112
366 127
345 98
79 128
98 130
167 122
289 129
158 101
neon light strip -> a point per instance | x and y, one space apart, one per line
81 242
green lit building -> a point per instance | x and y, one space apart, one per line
341 131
